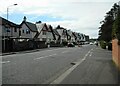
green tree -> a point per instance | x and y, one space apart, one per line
116 26
105 31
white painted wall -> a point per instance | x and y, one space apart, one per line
24 35
11 33
63 38
0 30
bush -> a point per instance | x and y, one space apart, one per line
64 43
109 46
103 44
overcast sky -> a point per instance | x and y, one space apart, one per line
78 15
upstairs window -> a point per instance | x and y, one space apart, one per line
22 31
27 31
44 32
15 29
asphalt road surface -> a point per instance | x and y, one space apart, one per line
77 65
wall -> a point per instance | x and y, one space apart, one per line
116 52
24 35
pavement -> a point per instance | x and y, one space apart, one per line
26 51
77 65
97 68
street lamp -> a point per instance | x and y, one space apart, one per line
8 9
7 20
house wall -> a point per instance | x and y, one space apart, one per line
0 30
63 37
60 31
116 52
24 35
72 39
49 36
11 31
41 36
56 36
15 34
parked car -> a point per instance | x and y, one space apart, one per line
71 45
91 43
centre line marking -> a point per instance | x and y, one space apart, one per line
66 73
45 56
3 62
65 51
91 54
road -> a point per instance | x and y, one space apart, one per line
77 65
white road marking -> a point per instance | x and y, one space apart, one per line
3 62
45 56
64 75
65 51
52 55
91 53
92 49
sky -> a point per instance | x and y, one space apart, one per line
81 16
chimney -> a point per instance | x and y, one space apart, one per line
24 19
38 22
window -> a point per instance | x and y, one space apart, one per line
19 32
27 31
7 30
15 29
44 33
23 31
43 39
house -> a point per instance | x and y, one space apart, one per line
71 36
63 33
9 29
28 30
77 37
50 34
9 34
81 37
45 32
57 36
74 37
42 31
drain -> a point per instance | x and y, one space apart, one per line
73 63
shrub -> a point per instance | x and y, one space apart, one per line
103 44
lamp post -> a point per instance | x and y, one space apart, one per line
7 20
8 10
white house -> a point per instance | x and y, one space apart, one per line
28 30
57 36
45 32
63 33
50 34
71 36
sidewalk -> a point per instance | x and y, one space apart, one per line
98 68
26 51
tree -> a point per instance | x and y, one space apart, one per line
116 26
105 32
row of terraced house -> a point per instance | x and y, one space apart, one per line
29 35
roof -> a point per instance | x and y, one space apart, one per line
56 32
40 26
49 28
69 32
6 23
59 27
30 25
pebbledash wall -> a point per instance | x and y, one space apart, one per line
116 52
